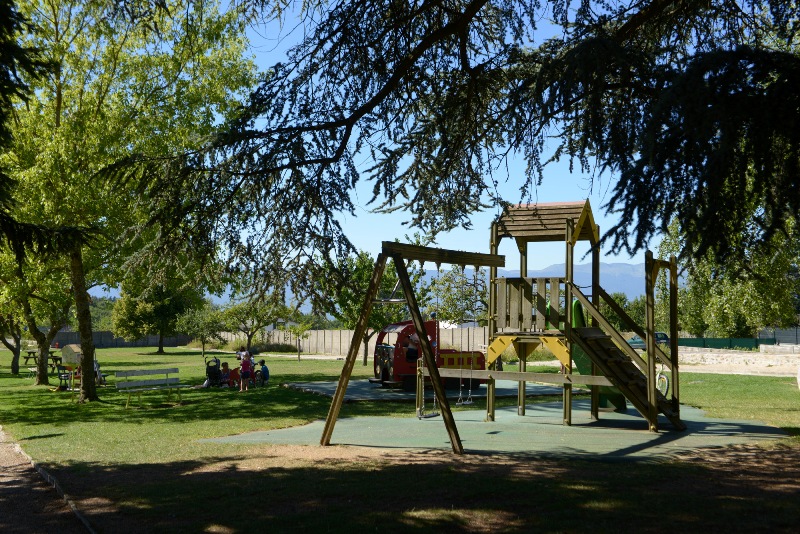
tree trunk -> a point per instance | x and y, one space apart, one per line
15 347
160 343
11 336
78 278
366 345
43 353
15 361
41 344
249 339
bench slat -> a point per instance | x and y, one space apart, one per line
152 384
158 388
143 372
146 383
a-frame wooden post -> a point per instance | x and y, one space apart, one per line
398 251
427 353
355 346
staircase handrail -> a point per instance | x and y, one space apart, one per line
629 323
609 329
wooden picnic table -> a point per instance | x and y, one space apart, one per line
55 361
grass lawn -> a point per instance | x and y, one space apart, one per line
144 469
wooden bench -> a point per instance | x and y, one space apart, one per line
149 384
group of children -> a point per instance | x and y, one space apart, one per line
245 372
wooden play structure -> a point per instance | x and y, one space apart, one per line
528 312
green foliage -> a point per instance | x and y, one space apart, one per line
116 86
347 299
636 309
299 328
102 309
154 312
16 63
613 318
692 105
459 298
204 324
251 317
739 302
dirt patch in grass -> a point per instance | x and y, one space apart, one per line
343 488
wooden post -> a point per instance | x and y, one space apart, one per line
427 352
673 333
568 321
595 390
650 268
490 397
492 323
352 353
522 348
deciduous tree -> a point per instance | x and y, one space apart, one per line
347 288
204 324
251 316
458 297
144 79
154 311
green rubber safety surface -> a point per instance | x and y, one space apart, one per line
539 433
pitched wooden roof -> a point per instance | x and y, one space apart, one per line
531 223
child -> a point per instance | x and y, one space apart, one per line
246 371
226 375
264 371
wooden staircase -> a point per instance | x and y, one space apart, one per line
624 374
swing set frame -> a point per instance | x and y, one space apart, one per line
400 253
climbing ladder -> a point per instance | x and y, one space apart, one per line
623 373
602 345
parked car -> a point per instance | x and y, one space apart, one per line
638 343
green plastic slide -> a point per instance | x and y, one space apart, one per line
609 396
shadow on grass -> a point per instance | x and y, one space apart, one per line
500 493
41 407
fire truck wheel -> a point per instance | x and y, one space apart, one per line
409 383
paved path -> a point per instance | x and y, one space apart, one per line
27 503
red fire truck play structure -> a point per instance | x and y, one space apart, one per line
396 365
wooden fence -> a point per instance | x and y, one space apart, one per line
337 342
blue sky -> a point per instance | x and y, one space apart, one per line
367 230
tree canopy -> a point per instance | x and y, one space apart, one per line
121 78
688 105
